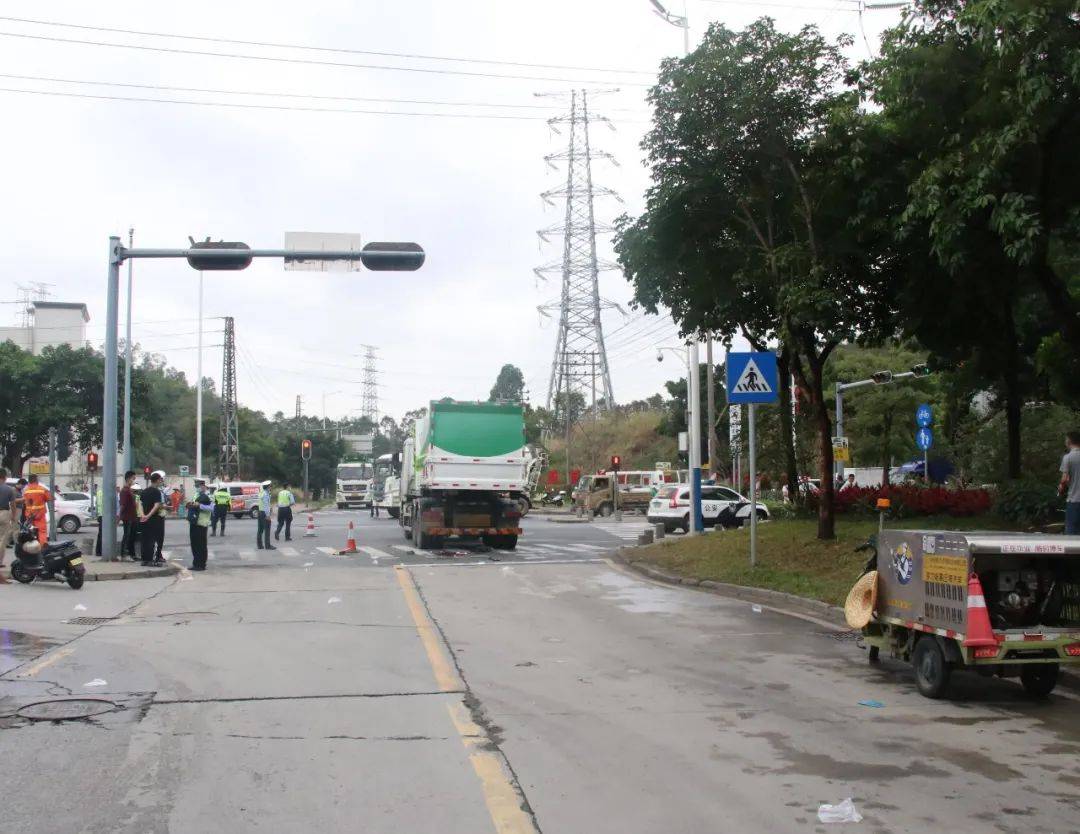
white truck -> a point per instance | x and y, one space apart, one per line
386 484
464 471
354 484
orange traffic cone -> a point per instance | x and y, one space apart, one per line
350 544
979 632
310 531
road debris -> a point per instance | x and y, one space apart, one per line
95 682
333 600
841 812
79 607
756 609
871 703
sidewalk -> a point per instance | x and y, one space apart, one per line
98 571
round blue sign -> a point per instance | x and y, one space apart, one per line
923 416
924 438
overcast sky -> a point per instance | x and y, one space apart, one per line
76 170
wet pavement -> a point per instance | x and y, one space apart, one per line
461 695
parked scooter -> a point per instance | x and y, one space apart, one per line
61 561
553 498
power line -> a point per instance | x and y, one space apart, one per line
311 48
164 88
311 62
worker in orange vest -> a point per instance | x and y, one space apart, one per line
35 499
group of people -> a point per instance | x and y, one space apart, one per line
207 511
26 499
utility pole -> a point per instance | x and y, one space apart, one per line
710 408
129 454
229 453
297 417
52 482
198 390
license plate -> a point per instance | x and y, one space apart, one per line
76 561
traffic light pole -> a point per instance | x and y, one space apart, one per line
841 387
305 479
390 258
52 483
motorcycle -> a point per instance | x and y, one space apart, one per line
61 561
553 498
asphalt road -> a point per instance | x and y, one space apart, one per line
296 691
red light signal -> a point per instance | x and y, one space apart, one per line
92 461
305 449
616 462
146 472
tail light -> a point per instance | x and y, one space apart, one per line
1073 650
673 503
986 652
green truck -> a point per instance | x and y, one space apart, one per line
464 473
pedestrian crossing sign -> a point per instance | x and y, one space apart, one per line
752 377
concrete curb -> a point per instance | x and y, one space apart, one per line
784 602
133 573
569 520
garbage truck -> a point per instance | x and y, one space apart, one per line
464 472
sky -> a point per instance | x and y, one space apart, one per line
464 184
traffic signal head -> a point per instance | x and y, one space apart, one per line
305 449
881 377
616 462
219 261
922 369
146 472
392 257
92 461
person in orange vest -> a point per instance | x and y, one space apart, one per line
35 499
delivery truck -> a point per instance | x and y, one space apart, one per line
464 473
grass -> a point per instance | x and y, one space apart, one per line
790 557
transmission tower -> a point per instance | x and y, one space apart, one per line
229 459
370 407
580 364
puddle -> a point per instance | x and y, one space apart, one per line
638 597
17 647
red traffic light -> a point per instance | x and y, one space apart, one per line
616 462
92 461
146 471
305 449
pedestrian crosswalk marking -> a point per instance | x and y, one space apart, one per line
329 551
376 554
246 555
288 551
591 547
404 548
624 532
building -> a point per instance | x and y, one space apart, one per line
51 323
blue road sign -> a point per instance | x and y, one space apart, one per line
923 416
752 378
924 438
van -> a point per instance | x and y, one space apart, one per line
245 497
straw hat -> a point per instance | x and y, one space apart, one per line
861 601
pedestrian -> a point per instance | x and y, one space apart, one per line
266 507
35 500
222 502
129 516
198 515
174 501
20 485
7 527
849 483
1069 486
163 511
285 501
152 521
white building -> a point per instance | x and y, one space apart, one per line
52 323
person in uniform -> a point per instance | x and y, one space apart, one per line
199 512
285 501
152 521
35 499
222 503
266 506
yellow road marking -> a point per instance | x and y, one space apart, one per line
45 663
501 798
445 674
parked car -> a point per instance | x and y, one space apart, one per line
73 513
671 507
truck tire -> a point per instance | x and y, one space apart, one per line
394 512
421 540
341 506
606 509
1039 679
501 542
685 526
931 669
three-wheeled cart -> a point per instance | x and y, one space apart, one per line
1005 604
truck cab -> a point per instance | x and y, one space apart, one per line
354 484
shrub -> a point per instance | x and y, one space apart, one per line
910 500
1028 502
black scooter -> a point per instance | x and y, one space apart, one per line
61 561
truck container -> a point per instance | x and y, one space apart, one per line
464 473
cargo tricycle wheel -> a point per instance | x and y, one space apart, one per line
931 669
1039 679
875 653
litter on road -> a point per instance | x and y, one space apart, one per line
841 812
79 607
95 682
756 609
874 704
333 601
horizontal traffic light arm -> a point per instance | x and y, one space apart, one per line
372 258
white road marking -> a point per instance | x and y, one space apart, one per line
404 548
246 555
489 563
376 554
329 551
288 551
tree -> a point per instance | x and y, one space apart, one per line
748 225
509 385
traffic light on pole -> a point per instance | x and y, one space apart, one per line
91 462
146 472
305 449
238 261
881 377
616 462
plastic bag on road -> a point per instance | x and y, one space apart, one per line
333 600
841 812
96 682
79 607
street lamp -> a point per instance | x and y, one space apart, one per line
682 22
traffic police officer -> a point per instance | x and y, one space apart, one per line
222 502
262 533
285 501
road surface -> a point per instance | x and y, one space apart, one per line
393 691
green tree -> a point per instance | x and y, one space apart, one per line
509 385
748 224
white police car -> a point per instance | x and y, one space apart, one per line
671 507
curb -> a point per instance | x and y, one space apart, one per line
786 603
569 520
140 573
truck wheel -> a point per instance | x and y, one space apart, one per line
1040 679
931 669
394 512
341 506
606 510
686 523
501 542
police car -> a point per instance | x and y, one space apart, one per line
719 505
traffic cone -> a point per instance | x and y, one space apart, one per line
310 531
979 632
350 544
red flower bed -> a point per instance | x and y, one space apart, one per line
909 500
